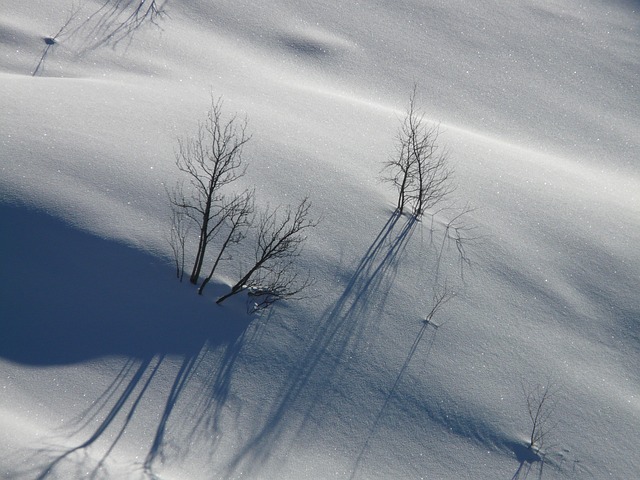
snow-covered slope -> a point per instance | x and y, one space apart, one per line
110 368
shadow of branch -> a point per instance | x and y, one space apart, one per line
338 334
376 422
112 23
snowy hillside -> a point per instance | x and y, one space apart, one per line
111 368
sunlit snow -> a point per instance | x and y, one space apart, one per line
111 368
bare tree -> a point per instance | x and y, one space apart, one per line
420 170
441 295
210 160
177 240
399 170
238 216
280 238
458 231
541 402
432 171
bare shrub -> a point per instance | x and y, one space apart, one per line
541 403
280 238
238 216
177 240
420 169
210 161
441 295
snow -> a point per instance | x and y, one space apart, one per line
111 368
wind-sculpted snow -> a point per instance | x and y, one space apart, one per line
111 368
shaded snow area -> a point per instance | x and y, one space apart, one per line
112 368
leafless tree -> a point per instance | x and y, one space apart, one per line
238 217
441 295
210 160
177 240
280 237
541 402
432 171
399 170
458 231
420 169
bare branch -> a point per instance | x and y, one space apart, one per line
441 295
275 284
420 170
177 238
210 161
459 232
237 217
279 241
541 403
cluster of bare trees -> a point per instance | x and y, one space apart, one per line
420 173
209 218
419 170
219 218
222 218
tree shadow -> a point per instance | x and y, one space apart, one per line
338 335
423 329
454 232
112 23
208 405
49 43
530 462
117 21
136 379
68 297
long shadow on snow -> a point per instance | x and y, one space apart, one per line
389 397
338 336
67 296
529 462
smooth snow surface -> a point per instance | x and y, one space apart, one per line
110 368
